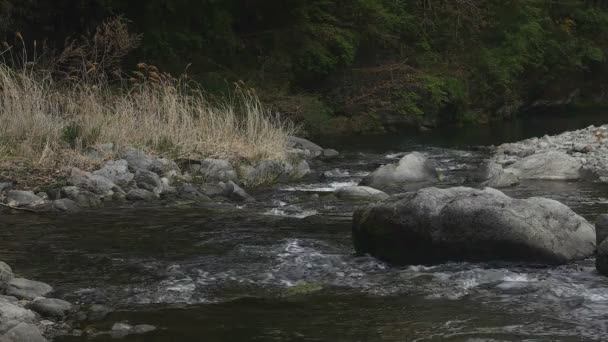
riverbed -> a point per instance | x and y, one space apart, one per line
283 268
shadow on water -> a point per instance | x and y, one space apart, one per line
283 269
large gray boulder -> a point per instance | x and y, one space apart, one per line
413 167
437 225
27 289
360 193
118 172
552 165
23 199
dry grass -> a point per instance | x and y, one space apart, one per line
49 125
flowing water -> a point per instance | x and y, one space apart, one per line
283 269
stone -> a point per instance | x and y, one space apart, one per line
137 159
217 170
118 172
94 183
82 198
304 144
50 307
212 190
298 169
434 225
65 205
164 167
27 289
329 153
5 187
413 167
497 177
359 193
120 330
189 191
148 180
141 195
6 275
42 195
601 228
25 332
143 329
264 172
12 311
23 199
582 148
236 193
552 165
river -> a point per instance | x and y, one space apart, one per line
283 269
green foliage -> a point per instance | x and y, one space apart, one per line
460 59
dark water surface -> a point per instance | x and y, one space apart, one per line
283 269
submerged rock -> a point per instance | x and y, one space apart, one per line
120 330
437 225
359 193
413 167
27 289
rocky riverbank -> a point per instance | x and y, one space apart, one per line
572 156
136 176
29 313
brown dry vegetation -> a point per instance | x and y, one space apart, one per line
49 116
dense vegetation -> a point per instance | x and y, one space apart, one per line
356 65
